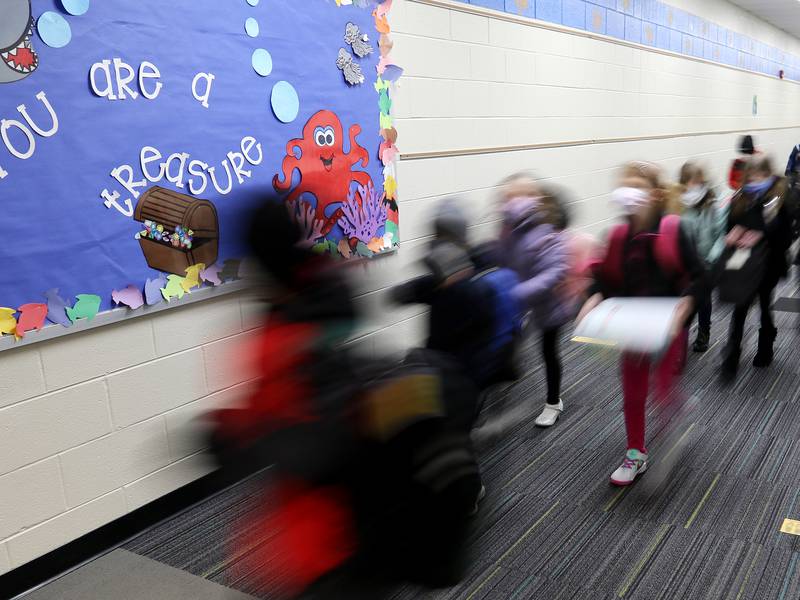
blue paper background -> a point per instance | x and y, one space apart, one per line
57 231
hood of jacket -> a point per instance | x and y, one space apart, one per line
522 213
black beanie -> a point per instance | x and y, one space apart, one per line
273 237
746 145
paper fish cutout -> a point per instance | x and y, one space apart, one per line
392 73
31 317
192 279
152 290
358 41
381 23
384 102
85 308
173 288
386 121
383 8
349 68
57 308
230 270
389 134
344 248
131 296
8 324
390 187
385 44
211 275
388 152
381 85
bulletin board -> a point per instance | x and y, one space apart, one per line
136 136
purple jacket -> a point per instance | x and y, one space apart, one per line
539 254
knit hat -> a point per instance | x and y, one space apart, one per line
446 259
273 237
746 145
450 221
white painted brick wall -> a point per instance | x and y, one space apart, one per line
41 427
30 496
66 527
5 559
97 424
110 462
147 390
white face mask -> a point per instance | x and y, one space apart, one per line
694 195
630 199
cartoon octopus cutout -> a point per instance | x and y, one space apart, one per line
325 168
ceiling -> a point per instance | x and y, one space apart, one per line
784 14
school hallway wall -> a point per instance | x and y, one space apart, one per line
94 425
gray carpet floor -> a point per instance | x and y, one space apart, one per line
702 524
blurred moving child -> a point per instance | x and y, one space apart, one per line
650 255
704 220
534 245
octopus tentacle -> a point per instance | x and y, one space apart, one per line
290 163
357 152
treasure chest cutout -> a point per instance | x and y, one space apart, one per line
173 211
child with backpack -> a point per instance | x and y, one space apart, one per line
705 223
650 255
473 317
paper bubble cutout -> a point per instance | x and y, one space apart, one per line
54 29
173 288
31 317
131 297
262 62
211 275
285 102
75 7
8 324
152 290
251 27
253 2
85 308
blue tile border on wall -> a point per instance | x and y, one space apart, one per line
658 24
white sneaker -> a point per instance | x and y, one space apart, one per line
635 463
550 414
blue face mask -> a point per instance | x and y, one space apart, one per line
758 188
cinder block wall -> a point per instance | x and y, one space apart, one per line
95 425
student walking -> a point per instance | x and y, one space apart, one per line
533 245
704 221
758 222
650 255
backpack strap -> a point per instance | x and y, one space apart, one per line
611 267
667 246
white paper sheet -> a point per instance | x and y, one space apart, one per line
629 324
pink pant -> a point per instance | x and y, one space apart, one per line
635 385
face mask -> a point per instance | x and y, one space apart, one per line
759 187
694 195
630 199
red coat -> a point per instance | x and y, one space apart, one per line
304 531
